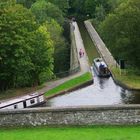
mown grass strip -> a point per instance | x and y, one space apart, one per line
130 79
70 84
72 133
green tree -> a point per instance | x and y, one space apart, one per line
26 50
42 56
77 8
61 51
62 4
26 3
46 11
121 32
17 25
90 7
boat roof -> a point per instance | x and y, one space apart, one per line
99 61
18 99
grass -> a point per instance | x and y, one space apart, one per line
130 79
70 84
72 133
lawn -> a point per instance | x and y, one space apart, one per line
70 84
72 133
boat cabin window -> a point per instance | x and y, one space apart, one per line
32 101
15 106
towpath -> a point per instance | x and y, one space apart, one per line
84 64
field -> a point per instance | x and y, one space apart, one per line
72 133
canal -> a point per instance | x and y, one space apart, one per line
103 92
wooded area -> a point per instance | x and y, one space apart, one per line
34 36
32 42
118 23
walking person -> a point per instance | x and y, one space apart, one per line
80 53
83 53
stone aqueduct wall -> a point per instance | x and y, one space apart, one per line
100 45
86 115
74 62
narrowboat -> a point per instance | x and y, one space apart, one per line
101 68
22 102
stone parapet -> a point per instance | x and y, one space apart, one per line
83 115
74 62
99 44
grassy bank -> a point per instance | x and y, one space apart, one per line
70 84
72 133
128 78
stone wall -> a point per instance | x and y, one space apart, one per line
74 62
86 115
100 46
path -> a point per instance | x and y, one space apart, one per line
84 64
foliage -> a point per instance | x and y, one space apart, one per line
46 11
121 32
26 3
19 38
62 4
77 8
42 56
88 8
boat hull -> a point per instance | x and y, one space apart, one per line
101 68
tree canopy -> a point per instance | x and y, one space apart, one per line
121 32
20 39
46 11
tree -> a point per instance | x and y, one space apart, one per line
26 3
42 56
62 4
61 51
90 7
26 50
100 13
17 25
77 8
46 11
121 32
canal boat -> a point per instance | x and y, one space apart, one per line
34 99
101 68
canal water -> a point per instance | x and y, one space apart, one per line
103 92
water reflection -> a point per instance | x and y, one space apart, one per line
103 92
